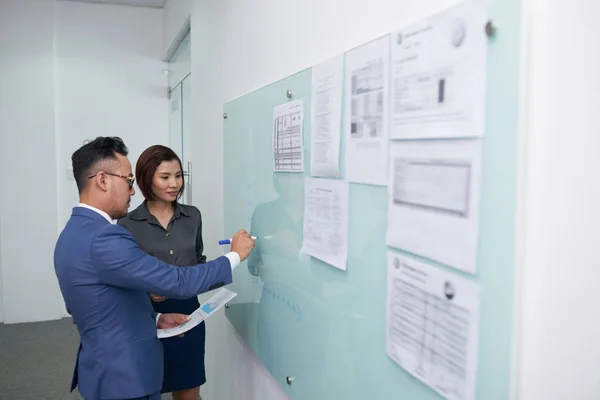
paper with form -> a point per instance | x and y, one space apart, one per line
434 193
432 328
218 300
326 118
367 110
288 140
326 221
439 75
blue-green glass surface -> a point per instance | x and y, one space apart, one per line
325 327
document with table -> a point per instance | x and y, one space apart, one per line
326 221
288 139
367 112
326 118
432 326
433 197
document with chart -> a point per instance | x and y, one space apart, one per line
367 110
326 118
432 328
288 141
439 75
433 206
326 221
214 303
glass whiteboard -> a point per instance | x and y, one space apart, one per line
320 331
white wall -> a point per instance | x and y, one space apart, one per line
560 354
29 194
266 40
110 82
70 72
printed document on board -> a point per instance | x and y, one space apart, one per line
326 118
439 75
326 221
432 326
367 112
218 300
433 206
288 139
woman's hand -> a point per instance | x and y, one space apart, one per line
157 298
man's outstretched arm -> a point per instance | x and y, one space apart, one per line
120 262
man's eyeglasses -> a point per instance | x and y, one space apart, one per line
131 179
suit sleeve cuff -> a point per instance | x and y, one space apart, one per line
234 259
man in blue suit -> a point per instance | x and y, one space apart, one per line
105 279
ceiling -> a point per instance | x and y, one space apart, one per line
137 3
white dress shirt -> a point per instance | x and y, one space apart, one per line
234 258
104 214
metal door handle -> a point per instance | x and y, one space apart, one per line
188 184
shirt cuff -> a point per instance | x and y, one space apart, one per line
234 259
157 317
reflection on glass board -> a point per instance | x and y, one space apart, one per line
367 82
286 312
434 200
438 75
279 223
432 327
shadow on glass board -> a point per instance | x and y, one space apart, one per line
304 314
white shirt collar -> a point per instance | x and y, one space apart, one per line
105 215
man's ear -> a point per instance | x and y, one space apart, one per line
101 180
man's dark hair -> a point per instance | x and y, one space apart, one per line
89 157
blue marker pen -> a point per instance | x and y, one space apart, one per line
228 241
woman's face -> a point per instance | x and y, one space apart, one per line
167 181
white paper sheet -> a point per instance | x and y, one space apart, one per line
439 75
288 141
207 309
326 118
434 193
326 221
432 328
367 112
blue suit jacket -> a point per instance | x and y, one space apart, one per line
105 279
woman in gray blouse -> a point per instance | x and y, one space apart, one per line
172 232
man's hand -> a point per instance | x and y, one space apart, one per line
166 321
242 243
157 298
